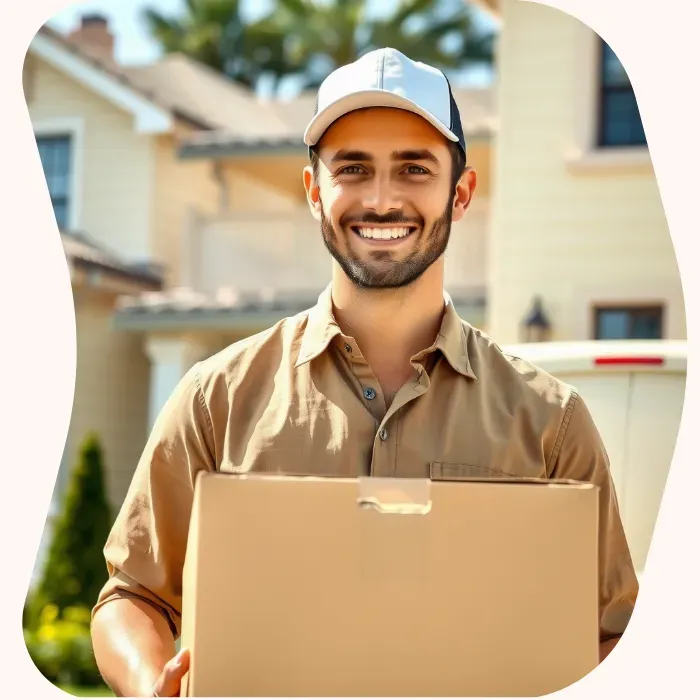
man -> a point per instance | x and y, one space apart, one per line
381 377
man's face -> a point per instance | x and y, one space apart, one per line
384 196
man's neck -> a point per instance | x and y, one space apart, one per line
390 325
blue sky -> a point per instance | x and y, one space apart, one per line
133 44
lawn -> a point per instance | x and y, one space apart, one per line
99 692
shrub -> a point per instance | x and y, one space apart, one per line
61 647
75 569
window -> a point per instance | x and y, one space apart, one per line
619 122
55 153
628 323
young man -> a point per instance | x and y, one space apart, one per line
381 377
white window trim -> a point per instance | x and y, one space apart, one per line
75 128
585 156
149 118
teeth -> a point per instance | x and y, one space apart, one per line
383 233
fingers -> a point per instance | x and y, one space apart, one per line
168 684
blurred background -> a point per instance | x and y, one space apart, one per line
170 136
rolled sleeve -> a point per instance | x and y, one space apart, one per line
582 457
145 550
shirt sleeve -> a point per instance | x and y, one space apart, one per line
582 457
146 547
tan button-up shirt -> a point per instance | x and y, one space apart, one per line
300 398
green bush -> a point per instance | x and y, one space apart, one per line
75 569
61 647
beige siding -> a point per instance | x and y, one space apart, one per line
111 392
576 237
116 164
181 188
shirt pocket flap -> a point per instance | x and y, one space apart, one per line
457 471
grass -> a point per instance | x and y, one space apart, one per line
99 692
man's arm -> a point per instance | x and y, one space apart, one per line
133 643
582 457
137 616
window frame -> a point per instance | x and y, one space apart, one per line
629 308
583 156
73 128
602 92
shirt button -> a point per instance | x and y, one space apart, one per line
348 348
383 434
370 393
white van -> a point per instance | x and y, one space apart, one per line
635 391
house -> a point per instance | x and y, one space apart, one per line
577 218
179 201
108 140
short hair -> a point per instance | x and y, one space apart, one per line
459 161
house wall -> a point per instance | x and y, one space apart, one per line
111 392
575 226
114 166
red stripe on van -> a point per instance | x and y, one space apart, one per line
629 361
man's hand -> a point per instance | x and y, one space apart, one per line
168 683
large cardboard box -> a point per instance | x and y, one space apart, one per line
400 587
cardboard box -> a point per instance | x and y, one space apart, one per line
389 587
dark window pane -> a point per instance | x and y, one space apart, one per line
613 72
646 326
60 210
612 325
55 154
629 324
622 124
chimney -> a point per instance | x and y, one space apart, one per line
94 37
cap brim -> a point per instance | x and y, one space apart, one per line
367 98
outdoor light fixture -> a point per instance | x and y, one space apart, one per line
536 325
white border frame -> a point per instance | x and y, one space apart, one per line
75 128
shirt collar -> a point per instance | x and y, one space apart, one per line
322 328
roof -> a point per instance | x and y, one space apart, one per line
229 119
82 251
476 107
207 95
185 307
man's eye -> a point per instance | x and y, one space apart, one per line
416 170
351 170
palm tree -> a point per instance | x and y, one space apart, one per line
310 38
215 33
323 36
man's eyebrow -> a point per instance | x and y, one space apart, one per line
422 154
345 155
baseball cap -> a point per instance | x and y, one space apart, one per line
387 78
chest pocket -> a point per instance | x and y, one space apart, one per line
456 471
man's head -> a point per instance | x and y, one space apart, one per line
388 171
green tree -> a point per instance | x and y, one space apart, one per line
323 36
75 569
310 38
215 33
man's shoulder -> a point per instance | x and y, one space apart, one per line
508 375
258 354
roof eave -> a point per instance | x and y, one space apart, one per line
149 118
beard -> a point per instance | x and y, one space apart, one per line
381 271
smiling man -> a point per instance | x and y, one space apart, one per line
380 378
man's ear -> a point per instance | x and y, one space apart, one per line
313 194
463 193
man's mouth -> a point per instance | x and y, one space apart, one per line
383 233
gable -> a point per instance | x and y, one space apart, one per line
149 118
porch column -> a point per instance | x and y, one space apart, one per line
171 358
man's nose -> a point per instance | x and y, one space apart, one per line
381 195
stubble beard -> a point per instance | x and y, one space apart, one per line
394 275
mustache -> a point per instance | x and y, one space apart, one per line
394 217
